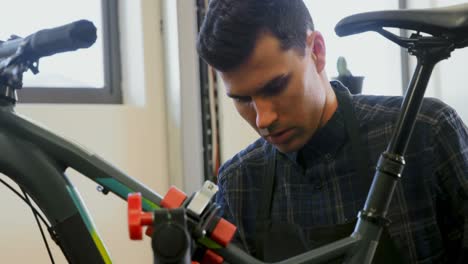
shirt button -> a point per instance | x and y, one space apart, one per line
318 186
328 157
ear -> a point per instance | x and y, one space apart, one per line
316 46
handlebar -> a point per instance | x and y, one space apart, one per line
46 42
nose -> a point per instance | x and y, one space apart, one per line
266 113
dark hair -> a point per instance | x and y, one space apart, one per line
231 27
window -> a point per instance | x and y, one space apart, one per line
368 54
84 76
449 77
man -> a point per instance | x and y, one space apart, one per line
303 182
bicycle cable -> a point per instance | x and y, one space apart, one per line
35 213
37 216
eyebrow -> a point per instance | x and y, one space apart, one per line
270 87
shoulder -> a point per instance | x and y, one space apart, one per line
437 125
254 155
388 108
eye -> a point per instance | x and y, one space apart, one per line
277 86
242 99
275 90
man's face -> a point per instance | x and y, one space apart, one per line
279 93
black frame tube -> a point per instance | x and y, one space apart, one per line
26 164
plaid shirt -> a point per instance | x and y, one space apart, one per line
429 203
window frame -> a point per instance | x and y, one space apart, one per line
111 93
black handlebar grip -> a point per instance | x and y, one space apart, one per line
9 47
70 37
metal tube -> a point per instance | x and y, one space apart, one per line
320 255
410 108
381 189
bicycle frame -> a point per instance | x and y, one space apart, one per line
37 160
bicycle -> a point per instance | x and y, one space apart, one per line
70 225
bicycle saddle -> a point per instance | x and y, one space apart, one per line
449 21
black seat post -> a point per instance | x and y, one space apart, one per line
372 218
428 53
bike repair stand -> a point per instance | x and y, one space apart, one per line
11 73
173 227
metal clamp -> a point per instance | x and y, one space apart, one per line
391 164
202 198
373 218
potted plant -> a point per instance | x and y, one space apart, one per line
353 83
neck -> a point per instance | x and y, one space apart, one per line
331 103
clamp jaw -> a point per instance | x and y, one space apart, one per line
180 221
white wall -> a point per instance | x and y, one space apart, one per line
131 136
185 141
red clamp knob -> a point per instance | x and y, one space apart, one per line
223 232
173 198
136 217
211 258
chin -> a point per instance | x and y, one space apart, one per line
287 148
294 144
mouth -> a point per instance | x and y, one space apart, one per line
280 137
